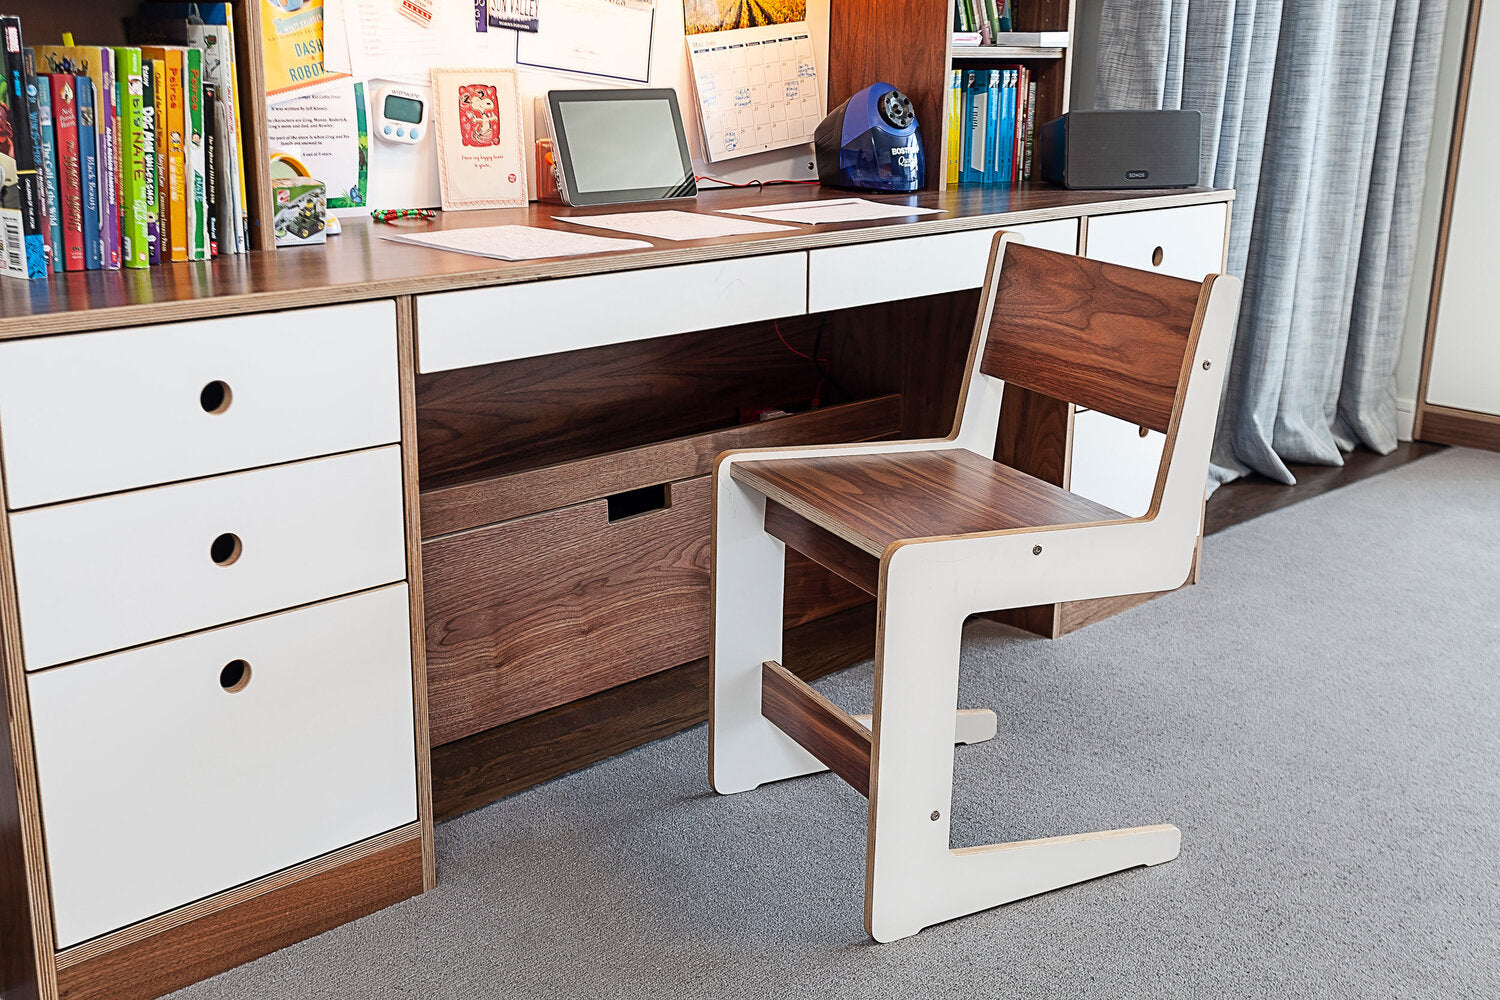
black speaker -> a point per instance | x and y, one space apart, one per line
1121 149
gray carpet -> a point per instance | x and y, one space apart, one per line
1321 717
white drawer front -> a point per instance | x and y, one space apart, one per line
485 325
94 413
1183 242
103 574
840 277
159 787
1112 464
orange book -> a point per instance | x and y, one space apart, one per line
163 154
176 202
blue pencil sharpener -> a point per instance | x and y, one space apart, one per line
870 143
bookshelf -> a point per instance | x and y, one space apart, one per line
917 59
102 22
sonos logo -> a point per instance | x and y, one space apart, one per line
1137 175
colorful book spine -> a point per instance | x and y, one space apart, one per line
163 220
1005 149
992 126
152 165
211 167
33 90
69 170
110 187
976 95
1030 128
88 174
29 236
955 127
197 162
135 245
49 165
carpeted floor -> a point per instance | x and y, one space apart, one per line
1321 717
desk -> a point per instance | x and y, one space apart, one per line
279 525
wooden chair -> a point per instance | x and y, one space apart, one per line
937 531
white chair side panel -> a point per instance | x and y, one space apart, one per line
486 325
115 571
158 787
1113 464
89 413
1191 240
1465 371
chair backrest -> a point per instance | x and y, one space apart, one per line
1110 338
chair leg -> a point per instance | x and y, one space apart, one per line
970 725
913 879
745 749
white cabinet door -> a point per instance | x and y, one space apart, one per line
160 786
1465 369
1184 242
111 572
89 413
484 325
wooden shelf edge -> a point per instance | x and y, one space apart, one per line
448 509
965 53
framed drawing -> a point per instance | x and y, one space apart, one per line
480 139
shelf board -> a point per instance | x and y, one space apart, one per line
962 53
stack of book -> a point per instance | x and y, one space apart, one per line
981 18
991 125
122 156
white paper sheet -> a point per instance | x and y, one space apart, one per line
813 213
335 38
382 43
757 88
674 225
323 131
516 242
610 39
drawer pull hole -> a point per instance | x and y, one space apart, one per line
226 549
215 397
1156 257
641 501
235 676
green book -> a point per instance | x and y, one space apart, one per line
135 242
153 166
197 157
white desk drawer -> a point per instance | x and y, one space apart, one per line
94 413
116 571
840 277
1183 242
485 325
1113 464
159 786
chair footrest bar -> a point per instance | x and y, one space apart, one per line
821 727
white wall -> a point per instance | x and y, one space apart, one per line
1414 330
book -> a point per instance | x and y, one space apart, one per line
211 167
992 126
97 63
135 245
26 230
179 206
1030 128
976 116
31 86
163 222
196 154
955 126
63 89
49 166
152 165
88 174
1005 155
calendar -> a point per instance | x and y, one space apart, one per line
757 89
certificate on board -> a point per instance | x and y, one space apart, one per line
480 138
608 39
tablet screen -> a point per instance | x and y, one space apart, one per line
617 146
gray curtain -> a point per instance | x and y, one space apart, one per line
1318 113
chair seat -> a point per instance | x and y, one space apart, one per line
874 500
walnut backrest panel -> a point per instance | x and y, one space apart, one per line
1110 338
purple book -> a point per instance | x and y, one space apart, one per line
108 125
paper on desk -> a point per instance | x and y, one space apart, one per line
516 242
673 225
839 210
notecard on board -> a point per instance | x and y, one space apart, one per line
480 138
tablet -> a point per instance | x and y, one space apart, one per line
615 146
